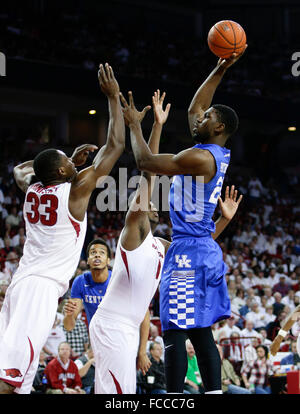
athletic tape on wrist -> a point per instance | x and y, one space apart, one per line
282 333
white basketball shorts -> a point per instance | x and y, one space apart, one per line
26 319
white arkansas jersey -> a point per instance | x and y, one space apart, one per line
54 239
134 280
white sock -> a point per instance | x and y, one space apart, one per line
214 392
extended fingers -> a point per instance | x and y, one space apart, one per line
123 100
130 98
102 73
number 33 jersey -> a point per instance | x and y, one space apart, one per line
54 239
192 202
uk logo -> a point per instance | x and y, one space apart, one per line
182 260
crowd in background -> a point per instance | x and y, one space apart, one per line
261 248
80 41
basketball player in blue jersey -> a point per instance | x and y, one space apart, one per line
89 288
193 291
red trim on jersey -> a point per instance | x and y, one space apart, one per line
118 387
158 269
124 257
75 225
31 353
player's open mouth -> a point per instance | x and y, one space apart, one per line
97 262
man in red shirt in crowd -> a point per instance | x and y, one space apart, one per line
62 373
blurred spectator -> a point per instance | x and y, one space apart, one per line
269 316
248 333
256 373
11 265
264 340
239 300
289 299
86 369
193 381
62 373
257 316
293 358
277 305
274 326
13 219
155 337
231 383
78 338
282 287
40 381
154 381
56 336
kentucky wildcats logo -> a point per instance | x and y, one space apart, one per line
182 260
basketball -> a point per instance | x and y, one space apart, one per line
225 38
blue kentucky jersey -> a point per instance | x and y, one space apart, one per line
89 291
192 202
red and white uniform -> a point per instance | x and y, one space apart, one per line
114 328
54 241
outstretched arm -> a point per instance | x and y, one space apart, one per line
137 224
107 156
191 161
228 209
285 327
204 95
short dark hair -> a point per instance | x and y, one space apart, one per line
98 241
46 164
228 117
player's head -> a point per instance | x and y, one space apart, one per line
98 254
153 215
52 165
218 121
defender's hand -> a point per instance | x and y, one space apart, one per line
230 205
81 154
131 114
107 81
160 115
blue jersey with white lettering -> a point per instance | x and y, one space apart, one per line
192 202
89 291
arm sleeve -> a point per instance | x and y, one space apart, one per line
76 290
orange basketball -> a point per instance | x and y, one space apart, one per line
225 38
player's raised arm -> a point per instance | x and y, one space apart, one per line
283 332
107 156
137 215
228 209
204 95
23 174
190 161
